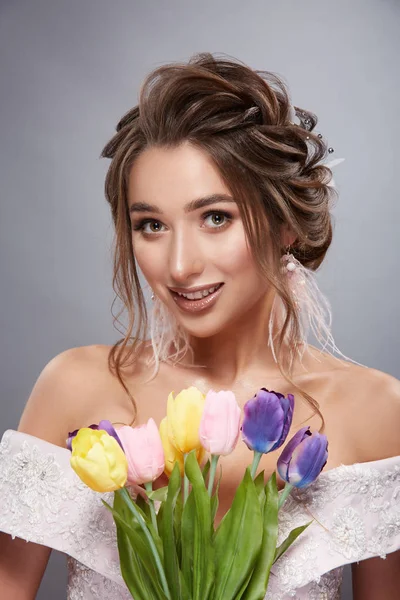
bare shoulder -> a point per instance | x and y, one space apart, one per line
66 391
373 398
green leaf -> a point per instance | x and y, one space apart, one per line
144 506
203 562
259 481
159 516
132 569
187 540
137 563
139 547
242 590
121 507
214 508
206 470
177 526
238 540
259 580
168 536
159 494
126 514
215 501
186 594
260 488
293 535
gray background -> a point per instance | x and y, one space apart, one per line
70 69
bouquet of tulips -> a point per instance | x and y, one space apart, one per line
176 552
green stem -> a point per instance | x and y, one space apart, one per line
285 493
149 488
132 507
185 481
256 459
213 466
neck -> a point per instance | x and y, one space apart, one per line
240 351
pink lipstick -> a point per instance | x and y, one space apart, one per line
197 305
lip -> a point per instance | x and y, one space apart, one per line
194 306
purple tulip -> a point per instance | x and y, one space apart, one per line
303 458
104 425
267 420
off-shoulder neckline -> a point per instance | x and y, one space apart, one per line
378 463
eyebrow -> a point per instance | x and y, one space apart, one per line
189 207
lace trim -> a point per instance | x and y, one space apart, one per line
44 501
357 512
86 584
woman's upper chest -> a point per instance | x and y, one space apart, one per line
329 389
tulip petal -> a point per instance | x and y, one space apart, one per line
84 440
220 422
263 421
155 448
72 434
115 457
286 454
144 451
288 408
308 460
106 425
171 453
184 415
93 476
280 396
98 460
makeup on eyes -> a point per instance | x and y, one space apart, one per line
139 225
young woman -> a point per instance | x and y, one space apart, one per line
221 203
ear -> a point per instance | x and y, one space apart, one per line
288 237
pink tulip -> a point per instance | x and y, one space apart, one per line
220 423
144 452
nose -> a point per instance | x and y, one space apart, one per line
185 258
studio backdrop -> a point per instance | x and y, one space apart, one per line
70 68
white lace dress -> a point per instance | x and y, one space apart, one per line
356 510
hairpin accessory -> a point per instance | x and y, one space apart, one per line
313 308
306 123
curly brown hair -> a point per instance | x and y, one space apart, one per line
241 118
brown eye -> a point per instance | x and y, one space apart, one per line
219 219
155 226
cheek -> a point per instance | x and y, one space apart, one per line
236 256
149 261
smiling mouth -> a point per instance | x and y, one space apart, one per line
200 294
197 301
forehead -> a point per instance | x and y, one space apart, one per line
181 173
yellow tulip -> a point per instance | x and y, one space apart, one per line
99 460
200 455
171 454
184 414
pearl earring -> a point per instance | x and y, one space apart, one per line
288 261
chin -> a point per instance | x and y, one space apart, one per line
203 329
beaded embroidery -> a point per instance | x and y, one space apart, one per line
356 507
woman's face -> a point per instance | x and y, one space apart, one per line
187 233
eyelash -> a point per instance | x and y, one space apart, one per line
140 225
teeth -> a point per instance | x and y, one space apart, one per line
199 295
